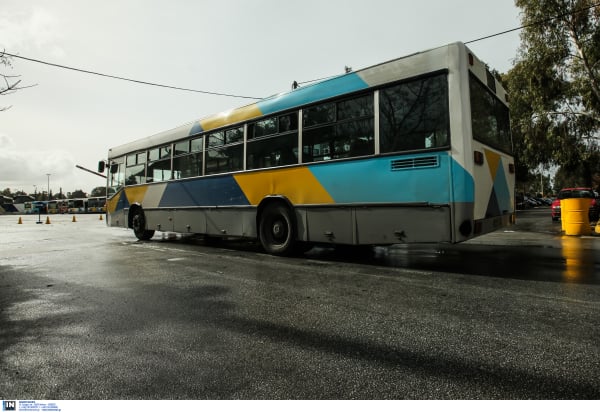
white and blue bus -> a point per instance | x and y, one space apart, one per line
77 205
96 205
7 204
417 149
21 201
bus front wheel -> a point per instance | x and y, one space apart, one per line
138 224
276 229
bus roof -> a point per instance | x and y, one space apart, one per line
363 79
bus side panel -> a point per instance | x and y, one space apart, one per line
408 179
387 225
381 225
117 218
189 221
331 225
238 222
227 221
159 219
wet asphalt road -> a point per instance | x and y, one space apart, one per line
88 312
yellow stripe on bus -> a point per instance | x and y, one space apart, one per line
299 185
111 204
493 160
136 194
233 116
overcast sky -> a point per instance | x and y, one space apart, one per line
252 48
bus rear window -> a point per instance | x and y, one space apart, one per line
489 117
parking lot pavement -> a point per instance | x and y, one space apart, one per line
89 312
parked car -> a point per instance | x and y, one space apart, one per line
577 192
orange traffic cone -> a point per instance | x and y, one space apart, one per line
74 219
47 220
20 222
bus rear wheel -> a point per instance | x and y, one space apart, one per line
277 231
138 224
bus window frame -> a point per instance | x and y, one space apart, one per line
489 93
435 73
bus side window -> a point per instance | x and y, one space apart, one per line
414 115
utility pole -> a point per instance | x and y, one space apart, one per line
48 174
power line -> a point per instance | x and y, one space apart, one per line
298 83
535 23
16 56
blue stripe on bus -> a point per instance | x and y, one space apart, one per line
463 183
196 128
215 191
501 190
349 182
305 95
123 202
340 85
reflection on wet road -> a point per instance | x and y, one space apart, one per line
534 249
580 265
88 312
569 264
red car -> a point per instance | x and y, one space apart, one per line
577 192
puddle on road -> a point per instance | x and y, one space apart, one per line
573 262
568 259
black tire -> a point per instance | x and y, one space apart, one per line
138 224
277 230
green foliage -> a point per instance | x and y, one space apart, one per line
584 174
9 193
98 191
555 85
78 194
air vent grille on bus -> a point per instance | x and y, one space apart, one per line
415 163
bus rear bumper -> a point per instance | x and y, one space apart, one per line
488 225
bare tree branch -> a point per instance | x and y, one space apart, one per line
12 86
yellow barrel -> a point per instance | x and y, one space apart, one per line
575 216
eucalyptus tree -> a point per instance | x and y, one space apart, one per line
555 83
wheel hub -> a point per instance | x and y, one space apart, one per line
277 229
